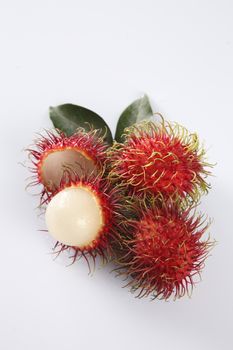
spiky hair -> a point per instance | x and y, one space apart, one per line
90 144
163 251
160 158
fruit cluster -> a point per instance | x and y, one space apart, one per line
133 200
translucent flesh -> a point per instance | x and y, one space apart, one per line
74 217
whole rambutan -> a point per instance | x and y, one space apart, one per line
163 250
159 159
84 153
84 215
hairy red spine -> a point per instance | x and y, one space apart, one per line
163 251
160 159
90 144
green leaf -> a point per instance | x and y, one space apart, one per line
69 117
136 112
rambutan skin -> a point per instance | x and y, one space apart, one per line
110 202
161 159
88 145
163 251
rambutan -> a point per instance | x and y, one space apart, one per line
159 159
163 250
83 215
53 153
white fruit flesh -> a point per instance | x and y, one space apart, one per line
74 217
55 162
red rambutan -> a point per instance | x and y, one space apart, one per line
53 153
164 252
162 159
83 215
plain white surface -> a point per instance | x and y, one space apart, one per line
103 55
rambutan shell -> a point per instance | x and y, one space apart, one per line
163 250
53 154
160 159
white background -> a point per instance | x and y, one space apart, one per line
103 55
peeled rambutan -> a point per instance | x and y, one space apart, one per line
162 250
83 215
53 153
160 158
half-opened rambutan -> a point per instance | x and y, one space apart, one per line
163 251
83 215
84 153
162 159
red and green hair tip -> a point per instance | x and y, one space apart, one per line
163 249
53 153
160 158
133 202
